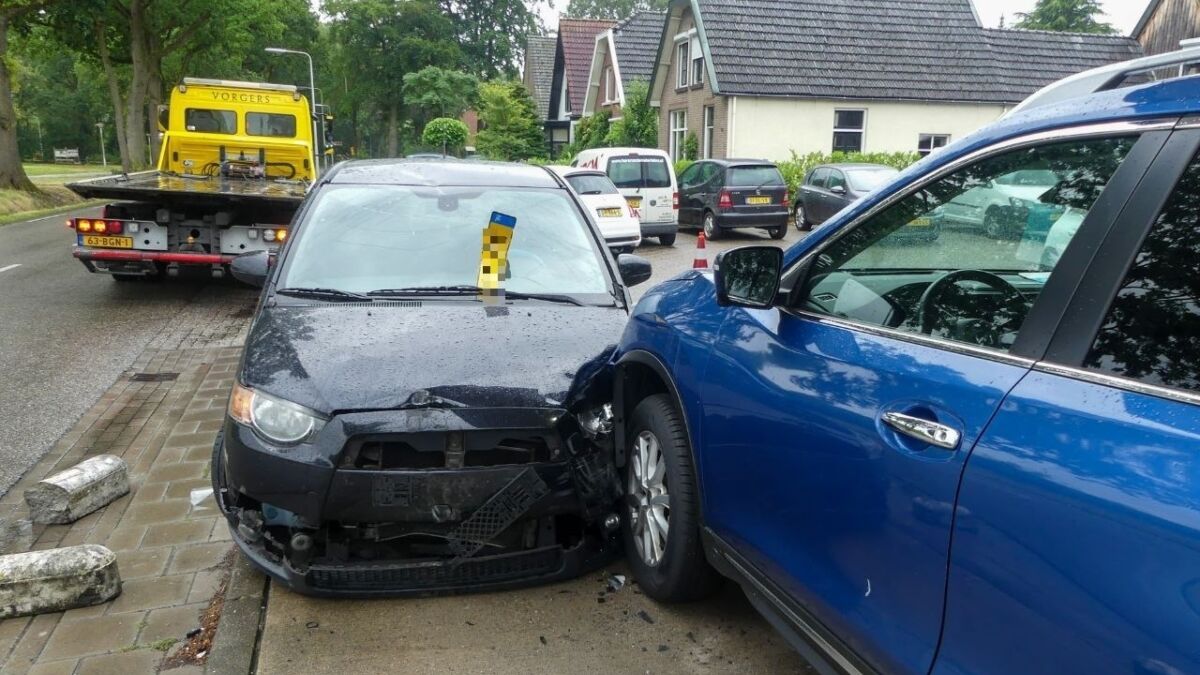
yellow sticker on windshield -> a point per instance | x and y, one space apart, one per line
493 258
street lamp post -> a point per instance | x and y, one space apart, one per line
41 148
103 157
312 87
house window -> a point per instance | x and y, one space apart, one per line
848 127
678 133
610 85
682 63
710 114
697 61
927 143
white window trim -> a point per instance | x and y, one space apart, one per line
683 65
710 124
932 149
862 145
610 88
676 136
696 54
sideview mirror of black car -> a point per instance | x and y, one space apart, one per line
634 269
748 276
251 268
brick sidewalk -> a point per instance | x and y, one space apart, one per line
161 417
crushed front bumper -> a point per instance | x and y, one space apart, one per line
353 516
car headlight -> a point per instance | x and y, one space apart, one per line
275 419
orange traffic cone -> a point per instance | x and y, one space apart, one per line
700 262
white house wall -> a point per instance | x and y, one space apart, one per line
771 128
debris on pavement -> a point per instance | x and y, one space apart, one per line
73 493
196 647
58 579
198 495
644 616
616 582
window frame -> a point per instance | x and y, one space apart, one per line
925 152
610 90
1044 324
675 147
236 121
710 123
862 132
683 63
696 68
295 124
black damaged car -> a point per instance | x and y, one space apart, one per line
422 404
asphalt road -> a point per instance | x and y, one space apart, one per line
65 336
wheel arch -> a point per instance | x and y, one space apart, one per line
640 374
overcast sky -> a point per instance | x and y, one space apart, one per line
1123 14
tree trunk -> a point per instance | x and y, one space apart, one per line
114 93
12 173
154 99
393 131
135 113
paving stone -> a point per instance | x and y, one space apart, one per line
152 593
205 585
150 492
196 557
157 512
122 663
32 641
177 471
88 612
60 667
10 632
92 636
171 623
175 532
125 537
182 489
39 582
142 563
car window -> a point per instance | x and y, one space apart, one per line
911 268
754 176
867 179
836 179
363 238
691 175
708 171
592 184
818 177
207 121
271 124
630 171
1152 330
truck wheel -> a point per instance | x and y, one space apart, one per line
661 522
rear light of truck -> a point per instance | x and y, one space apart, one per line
279 234
101 226
725 200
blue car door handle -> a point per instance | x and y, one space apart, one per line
923 430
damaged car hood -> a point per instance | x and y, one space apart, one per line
413 354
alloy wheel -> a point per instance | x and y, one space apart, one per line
710 226
648 500
799 217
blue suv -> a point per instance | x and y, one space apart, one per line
970 455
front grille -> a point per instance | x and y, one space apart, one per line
451 449
427 575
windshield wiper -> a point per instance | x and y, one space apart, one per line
473 290
324 293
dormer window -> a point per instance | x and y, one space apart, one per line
682 63
610 85
697 61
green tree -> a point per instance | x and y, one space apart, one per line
388 39
638 126
12 173
612 9
508 118
691 147
492 33
446 133
440 92
1069 16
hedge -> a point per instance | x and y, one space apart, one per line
795 169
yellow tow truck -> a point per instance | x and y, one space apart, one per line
236 161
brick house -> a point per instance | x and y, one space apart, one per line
1165 23
871 76
569 80
622 54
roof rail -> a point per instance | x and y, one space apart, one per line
203 81
1109 77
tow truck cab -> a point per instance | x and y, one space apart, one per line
235 163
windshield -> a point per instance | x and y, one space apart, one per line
639 172
364 238
866 180
592 184
755 176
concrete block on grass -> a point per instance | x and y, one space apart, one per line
73 493
57 579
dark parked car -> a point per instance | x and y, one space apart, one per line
721 194
975 456
828 188
422 404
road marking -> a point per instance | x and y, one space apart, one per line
9 267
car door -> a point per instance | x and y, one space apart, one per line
1077 542
836 427
689 187
836 191
814 191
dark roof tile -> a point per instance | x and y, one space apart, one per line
636 41
578 39
539 60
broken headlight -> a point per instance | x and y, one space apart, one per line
597 421
275 419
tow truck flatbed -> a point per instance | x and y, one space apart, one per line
153 185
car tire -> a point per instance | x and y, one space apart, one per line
711 230
802 223
777 232
667 239
671 568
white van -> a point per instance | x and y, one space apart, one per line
646 179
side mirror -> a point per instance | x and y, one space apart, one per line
251 268
634 269
838 190
748 276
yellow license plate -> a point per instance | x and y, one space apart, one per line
107 242
920 222
635 202
758 200
609 213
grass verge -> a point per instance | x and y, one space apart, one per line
16 206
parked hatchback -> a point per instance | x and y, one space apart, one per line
421 404
725 194
968 456
613 214
828 188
